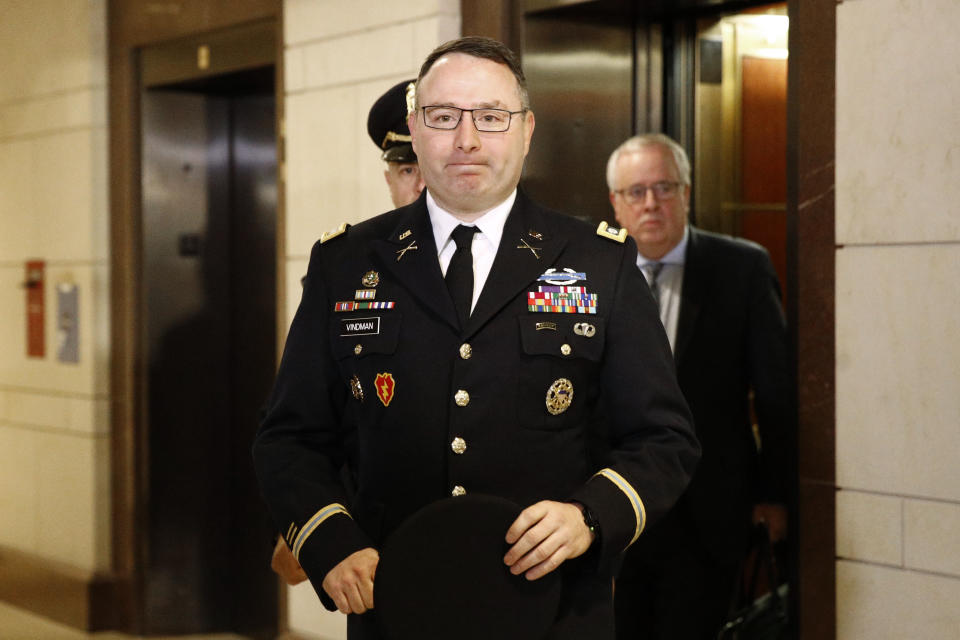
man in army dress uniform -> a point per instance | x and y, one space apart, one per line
474 342
387 127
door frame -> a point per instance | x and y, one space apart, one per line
133 24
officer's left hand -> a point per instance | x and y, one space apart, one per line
544 535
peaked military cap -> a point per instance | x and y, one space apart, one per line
441 575
387 123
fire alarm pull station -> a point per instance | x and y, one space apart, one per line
34 285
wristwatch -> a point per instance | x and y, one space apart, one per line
590 519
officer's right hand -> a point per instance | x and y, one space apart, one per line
350 583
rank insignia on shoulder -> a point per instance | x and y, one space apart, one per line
330 235
611 233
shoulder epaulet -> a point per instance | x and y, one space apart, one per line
333 233
610 233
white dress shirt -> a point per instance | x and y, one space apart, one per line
669 284
485 241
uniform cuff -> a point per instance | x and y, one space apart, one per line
618 507
328 537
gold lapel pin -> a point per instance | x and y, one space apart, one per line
410 247
533 250
535 234
405 234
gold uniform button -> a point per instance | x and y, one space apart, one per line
466 351
459 445
357 349
462 398
565 349
458 491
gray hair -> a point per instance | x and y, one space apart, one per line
636 143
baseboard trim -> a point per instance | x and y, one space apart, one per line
89 601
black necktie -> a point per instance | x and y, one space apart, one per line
655 268
459 276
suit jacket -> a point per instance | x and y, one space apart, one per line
623 445
731 341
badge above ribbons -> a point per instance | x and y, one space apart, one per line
561 294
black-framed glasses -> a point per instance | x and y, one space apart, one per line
636 193
440 117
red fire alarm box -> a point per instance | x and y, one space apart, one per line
35 325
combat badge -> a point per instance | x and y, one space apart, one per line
385 386
559 396
566 276
356 388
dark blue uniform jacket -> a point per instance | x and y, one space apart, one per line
360 430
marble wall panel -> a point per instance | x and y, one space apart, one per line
18 499
307 20
382 52
898 366
870 527
891 604
73 506
321 185
898 121
51 45
932 536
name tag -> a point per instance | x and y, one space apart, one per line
359 326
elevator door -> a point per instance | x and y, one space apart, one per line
209 219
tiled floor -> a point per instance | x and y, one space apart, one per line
17 624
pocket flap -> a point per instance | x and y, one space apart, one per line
562 335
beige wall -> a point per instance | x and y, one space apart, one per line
54 422
898 319
340 56
897 310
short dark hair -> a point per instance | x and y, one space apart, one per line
480 47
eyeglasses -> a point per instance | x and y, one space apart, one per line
484 119
637 193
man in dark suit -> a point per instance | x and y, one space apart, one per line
476 342
719 301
